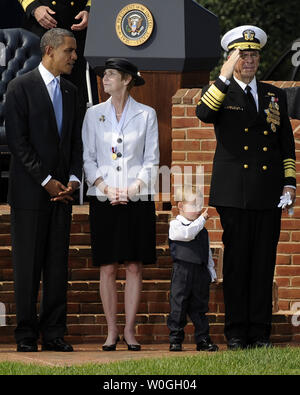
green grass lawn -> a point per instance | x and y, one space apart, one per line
281 361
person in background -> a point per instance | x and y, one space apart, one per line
121 156
11 14
193 271
254 170
43 135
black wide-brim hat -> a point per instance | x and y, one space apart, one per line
122 64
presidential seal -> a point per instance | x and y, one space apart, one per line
134 24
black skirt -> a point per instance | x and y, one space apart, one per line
123 232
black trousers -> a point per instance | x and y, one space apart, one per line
189 297
40 243
250 240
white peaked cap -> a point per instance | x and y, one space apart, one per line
244 37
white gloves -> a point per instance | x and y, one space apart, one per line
285 200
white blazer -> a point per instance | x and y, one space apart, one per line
137 147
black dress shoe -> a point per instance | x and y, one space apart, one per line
261 343
207 345
111 347
57 344
175 347
236 343
27 345
133 347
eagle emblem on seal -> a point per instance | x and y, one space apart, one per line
135 24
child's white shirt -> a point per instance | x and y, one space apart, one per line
182 229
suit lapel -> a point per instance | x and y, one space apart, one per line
105 113
236 94
66 108
263 97
239 96
263 100
43 92
133 110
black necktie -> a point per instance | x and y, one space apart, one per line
250 99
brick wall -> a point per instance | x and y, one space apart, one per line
193 144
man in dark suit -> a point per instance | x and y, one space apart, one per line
254 165
42 15
44 138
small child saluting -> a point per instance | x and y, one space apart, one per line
193 271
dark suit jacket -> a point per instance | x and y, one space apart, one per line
253 159
11 14
32 135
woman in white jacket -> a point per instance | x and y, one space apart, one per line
121 157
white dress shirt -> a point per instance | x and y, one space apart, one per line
134 143
48 78
253 86
181 229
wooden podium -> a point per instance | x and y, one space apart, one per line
174 43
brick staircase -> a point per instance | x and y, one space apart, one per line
86 321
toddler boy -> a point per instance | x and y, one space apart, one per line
193 270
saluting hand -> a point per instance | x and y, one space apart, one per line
228 67
43 16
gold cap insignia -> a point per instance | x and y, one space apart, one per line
249 35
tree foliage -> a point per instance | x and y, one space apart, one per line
278 18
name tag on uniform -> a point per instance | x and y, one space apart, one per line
234 108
